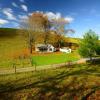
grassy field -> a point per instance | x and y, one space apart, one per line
54 58
12 48
9 49
39 60
13 45
78 82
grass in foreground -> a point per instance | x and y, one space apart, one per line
73 83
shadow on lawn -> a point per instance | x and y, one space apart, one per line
50 88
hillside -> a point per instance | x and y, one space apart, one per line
7 32
11 44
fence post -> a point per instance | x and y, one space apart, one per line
15 68
35 67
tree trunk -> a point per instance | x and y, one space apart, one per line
59 45
45 42
15 68
30 49
46 38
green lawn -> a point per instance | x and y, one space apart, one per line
54 58
60 84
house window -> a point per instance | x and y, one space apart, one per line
50 49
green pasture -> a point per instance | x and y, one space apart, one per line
39 60
54 58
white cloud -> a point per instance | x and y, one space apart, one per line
22 17
8 12
69 19
30 14
24 7
52 15
14 4
22 1
2 21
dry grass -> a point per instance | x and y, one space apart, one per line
76 83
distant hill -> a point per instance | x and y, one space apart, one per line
73 40
8 32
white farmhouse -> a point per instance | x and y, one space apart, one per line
44 48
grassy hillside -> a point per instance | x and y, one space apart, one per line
8 32
73 40
11 44
75 83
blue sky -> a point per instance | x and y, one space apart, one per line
82 14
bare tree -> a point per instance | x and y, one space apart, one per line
34 25
59 25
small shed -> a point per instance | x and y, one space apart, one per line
65 49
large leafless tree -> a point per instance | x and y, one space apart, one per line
34 25
59 26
